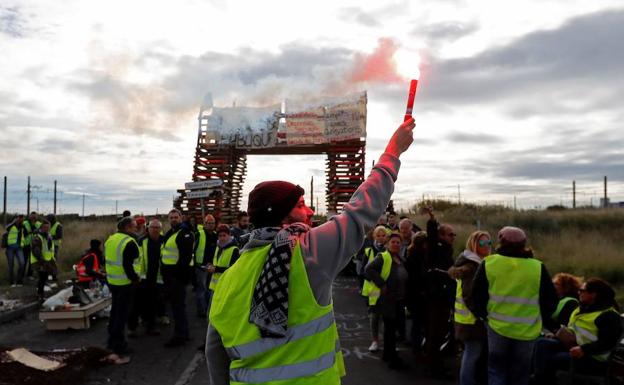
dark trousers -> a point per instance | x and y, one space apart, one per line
145 304
389 336
16 254
122 297
43 278
28 270
549 356
436 328
176 295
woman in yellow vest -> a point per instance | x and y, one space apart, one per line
468 328
388 273
369 290
567 287
225 255
593 331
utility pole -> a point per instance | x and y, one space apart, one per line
312 192
458 194
515 203
605 202
55 197
83 202
4 206
28 197
573 194
116 211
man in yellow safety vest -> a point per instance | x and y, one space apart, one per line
121 251
514 293
271 317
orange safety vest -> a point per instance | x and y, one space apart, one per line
81 268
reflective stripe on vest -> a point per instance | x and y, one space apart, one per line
308 354
369 253
513 306
170 252
113 256
462 314
144 260
14 236
57 242
584 327
47 253
562 302
201 246
371 290
222 258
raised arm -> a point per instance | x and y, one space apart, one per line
328 248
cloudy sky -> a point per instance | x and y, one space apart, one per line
515 98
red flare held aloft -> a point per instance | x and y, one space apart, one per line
410 99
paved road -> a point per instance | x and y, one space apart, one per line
153 364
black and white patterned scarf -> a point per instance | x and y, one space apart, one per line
269 304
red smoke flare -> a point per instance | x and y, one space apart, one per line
378 66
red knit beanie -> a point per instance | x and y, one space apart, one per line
270 202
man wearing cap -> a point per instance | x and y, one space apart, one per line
271 317
514 293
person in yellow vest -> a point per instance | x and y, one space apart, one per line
121 253
469 329
567 287
31 224
15 238
42 256
56 231
387 271
593 331
225 255
271 317
369 290
176 268
147 292
205 243
514 293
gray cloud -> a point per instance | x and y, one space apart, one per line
357 15
577 67
447 31
12 22
464 137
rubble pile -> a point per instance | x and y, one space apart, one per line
76 363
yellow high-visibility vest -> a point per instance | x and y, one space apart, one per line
309 354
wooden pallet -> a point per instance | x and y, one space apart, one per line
75 318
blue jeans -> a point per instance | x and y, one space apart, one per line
201 291
509 360
549 356
15 253
471 358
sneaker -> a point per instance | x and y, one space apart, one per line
373 347
164 320
13 285
133 334
20 285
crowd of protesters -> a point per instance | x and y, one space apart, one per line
32 246
511 322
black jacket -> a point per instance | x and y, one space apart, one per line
609 331
185 242
439 287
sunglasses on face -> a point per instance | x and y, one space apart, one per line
483 242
